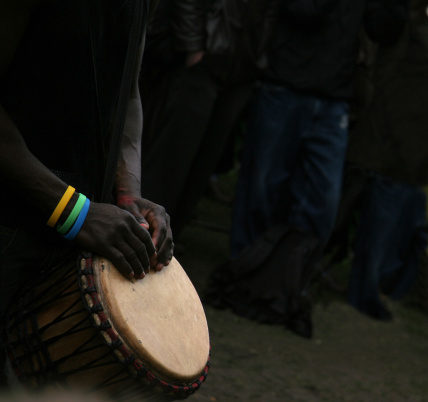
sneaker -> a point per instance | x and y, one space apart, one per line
300 318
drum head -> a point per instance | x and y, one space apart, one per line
160 318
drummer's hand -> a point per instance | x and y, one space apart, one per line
154 218
115 234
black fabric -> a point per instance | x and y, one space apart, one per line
390 136
315 45
133 16
61 92
316 52
266 281
355 185
48 89
237 33
385 19
233 34
197 117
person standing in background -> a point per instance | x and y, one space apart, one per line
295 148
388 153
217 50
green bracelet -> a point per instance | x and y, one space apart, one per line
63 229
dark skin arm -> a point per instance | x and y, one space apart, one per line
147 221
110 231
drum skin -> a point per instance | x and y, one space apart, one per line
161 318
103 333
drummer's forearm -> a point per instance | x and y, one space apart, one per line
128 177
22 174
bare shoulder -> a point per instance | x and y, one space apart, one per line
14 16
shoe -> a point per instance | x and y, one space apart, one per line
299 320
300 325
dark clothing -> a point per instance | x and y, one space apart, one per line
389 243
391 135
233 34
315 44
291 165
245 284
198 115
201 104
387 155
236 39
188 24
62 87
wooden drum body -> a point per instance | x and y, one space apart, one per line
128 339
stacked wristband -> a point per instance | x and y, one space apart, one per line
61 206
63 229
75 220
79 221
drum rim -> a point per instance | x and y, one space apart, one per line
93 304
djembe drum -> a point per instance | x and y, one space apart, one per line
103 333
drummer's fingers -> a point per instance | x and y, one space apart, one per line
165 252
140 218
159 234
134 210
136 258
138 248
117 257
159 224
143 236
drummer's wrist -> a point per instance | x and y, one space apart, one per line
125 193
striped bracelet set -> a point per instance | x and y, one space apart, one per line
71 227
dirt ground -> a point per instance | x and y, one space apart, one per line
350 358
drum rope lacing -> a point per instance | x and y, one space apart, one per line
28 346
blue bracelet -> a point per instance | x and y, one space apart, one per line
68 224
79 222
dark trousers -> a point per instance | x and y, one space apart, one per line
191 133
390 241
292 165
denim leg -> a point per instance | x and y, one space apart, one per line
269 152
292 165
389 243
317 179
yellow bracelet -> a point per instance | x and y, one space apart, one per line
61 206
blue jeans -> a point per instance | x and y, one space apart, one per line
390 240
292 165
